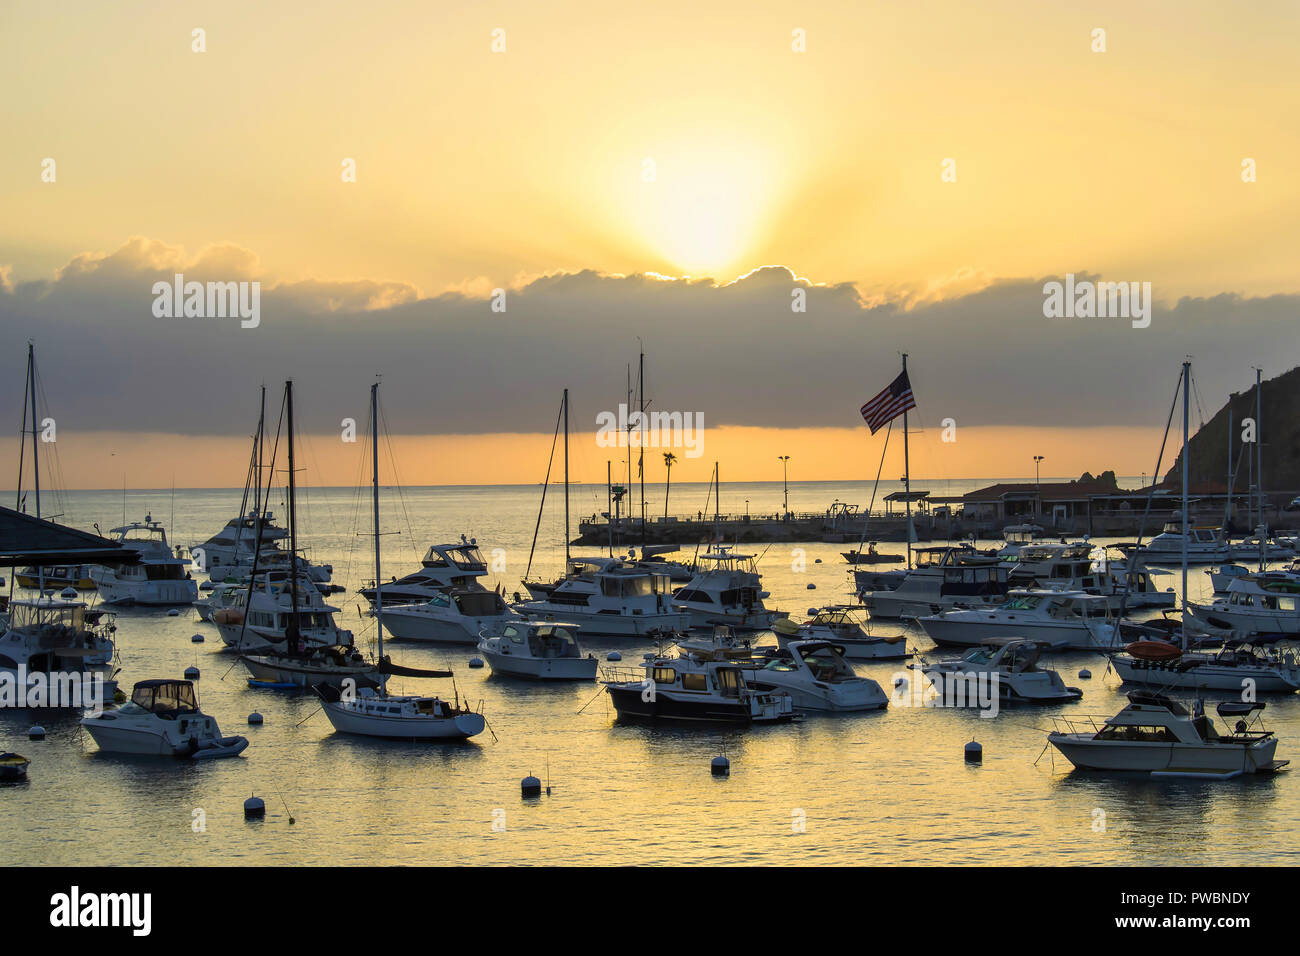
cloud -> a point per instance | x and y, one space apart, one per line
981 351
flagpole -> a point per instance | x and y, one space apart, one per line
907 480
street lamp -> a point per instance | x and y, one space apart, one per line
785 471
746 507
1038 495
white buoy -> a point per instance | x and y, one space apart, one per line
720 766
1085 674
255 718
530 786
36 732
613 656
197 639
974 753
191 673
173 612
254 808
475 662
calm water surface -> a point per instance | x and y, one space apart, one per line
884 788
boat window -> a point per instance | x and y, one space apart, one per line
1134 732
480 604
512 632
687 594
729 681
665 675
636 587
695 682
1025 603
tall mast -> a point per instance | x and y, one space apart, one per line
374 470
1259 444
36 448
907 480
609 504
566 479
293 526
257 454
1187 528
640 378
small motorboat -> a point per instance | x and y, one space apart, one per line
1008 664
162 718
846 628
544 651
870 556
1160 736
13 767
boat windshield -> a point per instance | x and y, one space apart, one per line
480 604
44 615
165 697
1024 602
980 655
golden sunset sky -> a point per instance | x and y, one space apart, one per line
479 169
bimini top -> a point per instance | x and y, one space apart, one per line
166 696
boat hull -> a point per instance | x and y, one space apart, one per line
605 625
348 720
630 702
1159 757
537 668
1209 676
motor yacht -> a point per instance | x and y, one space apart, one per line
1206 545
1255 605
1008 664
160 577
847 628
727 590
817 677
1223 576
944 577
1234 666
1156 735
451 617
445 567
610 598
539 651
264 619
652 559
1058 620
58 576
162 719
1017 536
234 547
57 653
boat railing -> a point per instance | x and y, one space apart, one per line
1078 723
623 675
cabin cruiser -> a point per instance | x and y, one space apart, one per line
236 545
1070 567
699 687
652 559
1165 666
453 617
1255 604
162 719
58 576
1160 736
1008 664
1204 546
944 577
369 713
726 590
445 566
846 628
1017 536
1223 576
1274 549
316 666
817 677
575 567
1058 620
43 637
263 621
865 581
541 651
608 597
160 577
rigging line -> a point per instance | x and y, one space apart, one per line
1200 412
398 484
545 485
257 543
1142 527
866 521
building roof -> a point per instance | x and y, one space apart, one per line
26 540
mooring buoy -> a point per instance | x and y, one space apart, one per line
530 786
173 612
720 766
191 673
197 639
255 719
1085 674
974 753
254 808
613 656
36 732
475 663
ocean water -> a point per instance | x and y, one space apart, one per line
883 788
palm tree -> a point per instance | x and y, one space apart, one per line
669 460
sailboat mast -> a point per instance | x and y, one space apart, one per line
907 480
1187 528
293 524
640 377
36 448
566 479
374 471
1259 444
257 454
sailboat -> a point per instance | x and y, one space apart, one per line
1161 665
376 713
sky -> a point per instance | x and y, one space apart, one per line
668 178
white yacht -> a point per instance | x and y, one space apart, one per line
604 596
451 617
370 714
1058 620
445 566
1017 536
726 590
1008 664
1254 605
652 559
1157 735
233 548
539 651
42 637
162 719
1168 667
160 578
696 688
1222 576
944 577
817 677
1070 567
847 628
264 620
1205 546
1274 549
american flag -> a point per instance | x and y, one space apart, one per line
889 404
